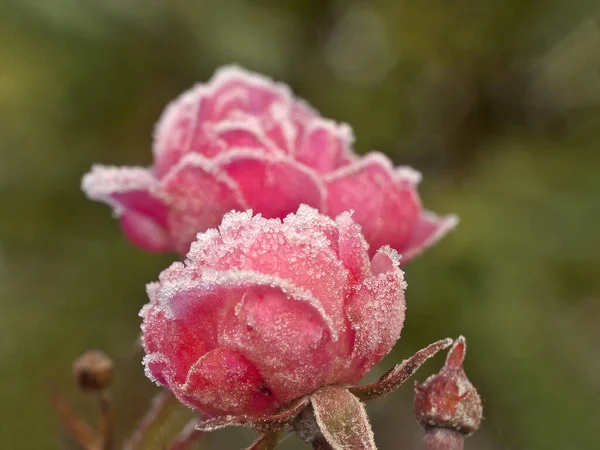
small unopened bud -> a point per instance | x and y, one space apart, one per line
448 399
93 371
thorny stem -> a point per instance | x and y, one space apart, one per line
438 438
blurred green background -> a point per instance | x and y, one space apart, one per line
497 102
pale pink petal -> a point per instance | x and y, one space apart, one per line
287 341
245 133
272 186
385 202
376 313
225 382
177 129
429 229
325 146
235 89
199 195
133 192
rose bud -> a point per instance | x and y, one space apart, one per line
448 399
265 311
93 371
242 141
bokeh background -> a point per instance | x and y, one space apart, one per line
497 102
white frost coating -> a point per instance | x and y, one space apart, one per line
103 181
408 174
392 254
152 291
157 357
231 279
186 104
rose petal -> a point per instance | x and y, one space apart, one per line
132 192
170 340
385 203
224 382
236 89
176 131
286 340
294 251
353 248
325 146
246 134
200 195
273 187
429 229
376 313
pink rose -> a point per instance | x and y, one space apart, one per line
264 312
242 141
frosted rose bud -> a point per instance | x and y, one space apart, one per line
242 141
264 312
448 399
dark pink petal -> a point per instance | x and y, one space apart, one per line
429 229
134 195
168 340
199 195
224 382
235 89
384 200
376 313
325 146
286 340
272 186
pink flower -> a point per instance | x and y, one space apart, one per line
242 141
264 312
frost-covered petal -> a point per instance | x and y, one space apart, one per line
175 130
325 146
171 347
287 341
385 202
199 194
353 248
273 186
235 89
376 313
244 133
133 193
224 382
293 250
429 229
